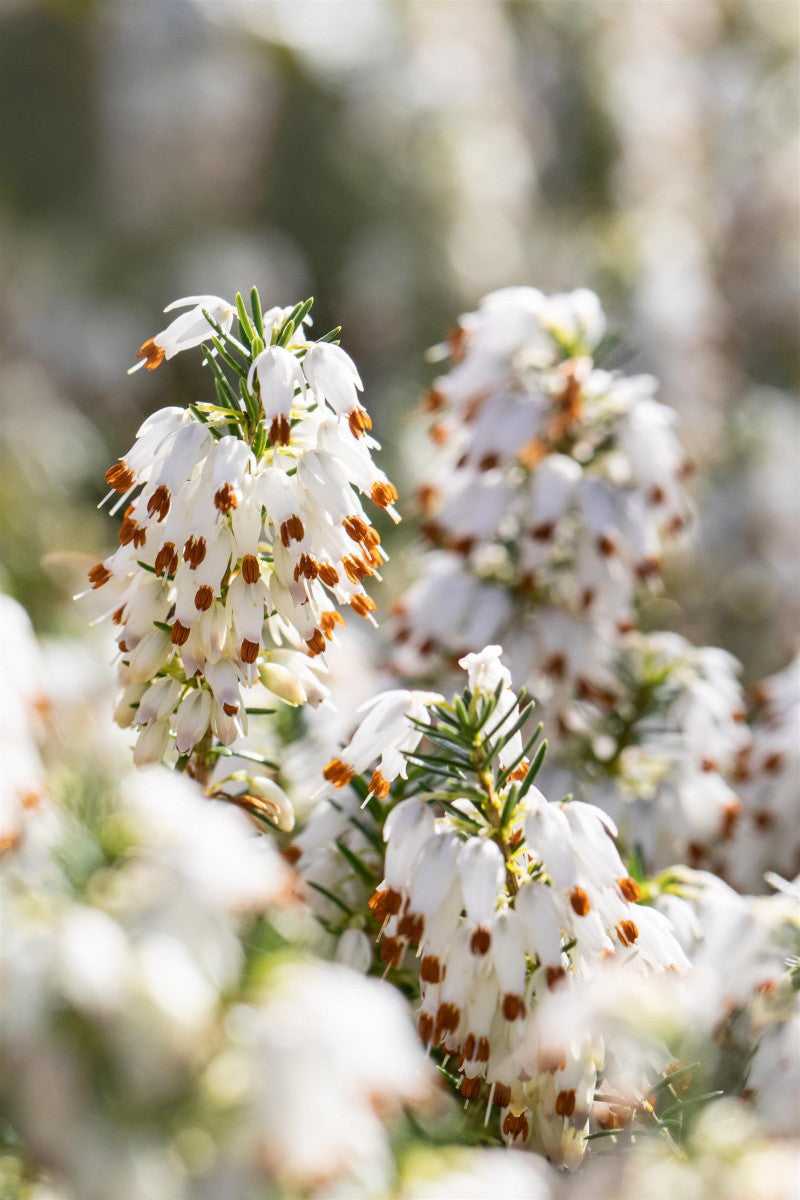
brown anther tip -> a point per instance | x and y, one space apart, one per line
328 574
630 889
338 773
447 1017
532 454
194 551
204 597
328 621
411 926
383 493
555 976
180 634
385 902
565 1103
425 1027
152 354
480 941
513 1007
166 560
120 477
251 570
99 575
391 951
315 644
516 1126
355 528
627 932
292 854
470 1087
248 651
159 502
306 568
359 421
230 709
379 786
362 604
280 431
225 498
430 969
579 902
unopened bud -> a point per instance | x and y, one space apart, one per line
282 683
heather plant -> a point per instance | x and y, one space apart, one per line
511 950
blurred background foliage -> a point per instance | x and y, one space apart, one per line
397 159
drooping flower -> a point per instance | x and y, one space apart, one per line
186 331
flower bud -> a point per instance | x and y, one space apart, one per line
282 683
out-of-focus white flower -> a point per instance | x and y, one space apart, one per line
24 700
479 1174
571 472
335 1050
127 981
767 778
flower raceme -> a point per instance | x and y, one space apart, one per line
243 533
551 476
491 898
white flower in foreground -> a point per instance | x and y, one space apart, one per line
479 1174
126 980
188 330
335 1057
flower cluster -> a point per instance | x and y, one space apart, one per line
563 486
243 531
552 476
659 750
492 898
767 776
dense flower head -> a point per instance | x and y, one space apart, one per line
492 898
656 741
767 777
552 475
243 532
